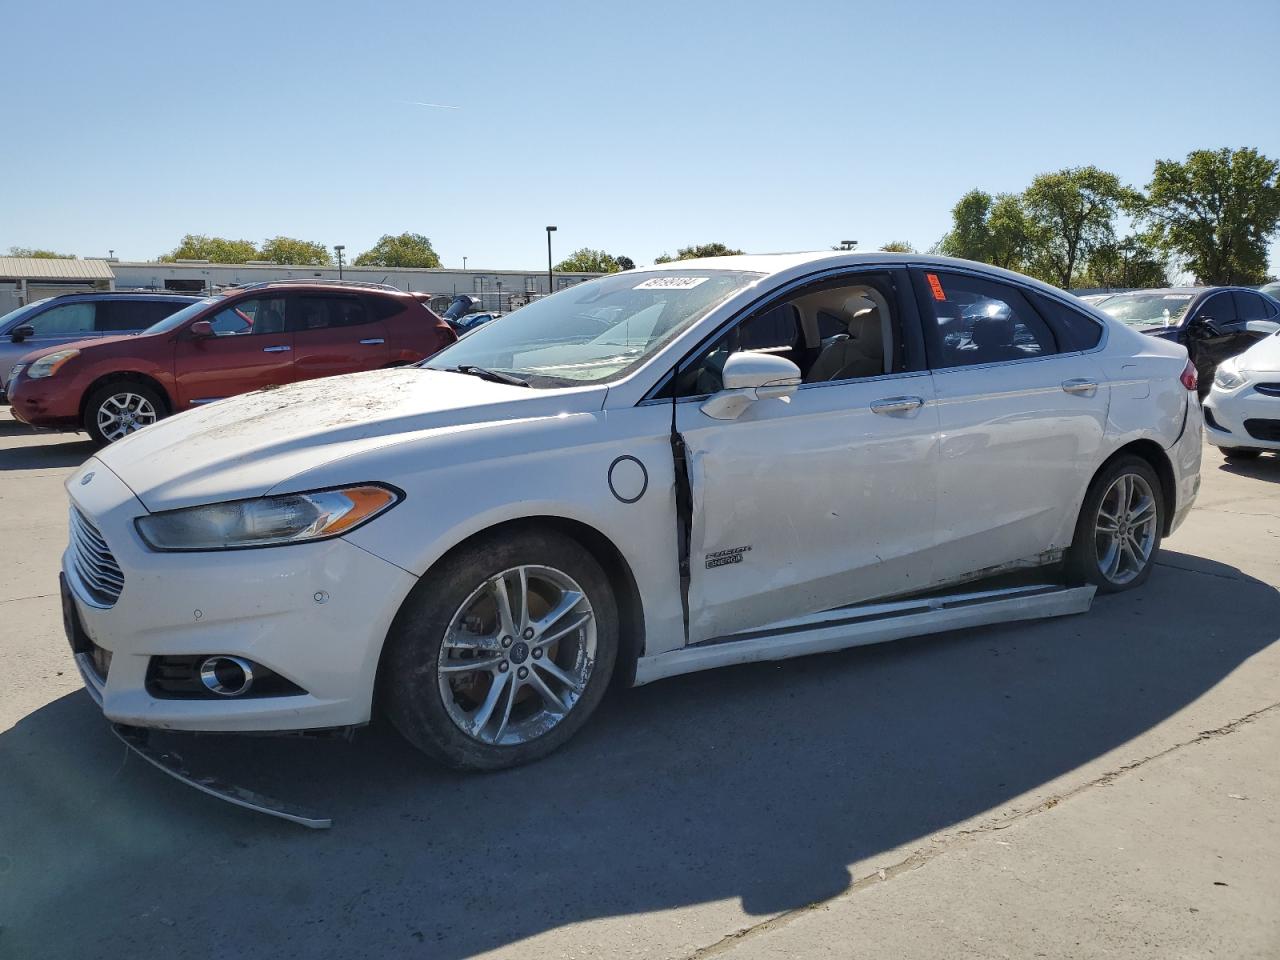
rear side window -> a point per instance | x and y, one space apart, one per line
1073 329
978 321
66 319
384 307
119 316
1250 306
323 313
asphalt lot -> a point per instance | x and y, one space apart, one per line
1102 785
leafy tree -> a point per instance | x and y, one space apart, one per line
289 250
625 263
698 251
1072 213
898 246
1217 211
970 236
405 250
39 254
990 229
1135 261
197 246
587 260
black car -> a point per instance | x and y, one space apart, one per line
1213 323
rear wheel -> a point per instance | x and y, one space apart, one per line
117 409
502 655
1240 453
1119 529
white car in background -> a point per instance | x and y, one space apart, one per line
659 471
1242 411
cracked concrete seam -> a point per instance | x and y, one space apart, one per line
941 844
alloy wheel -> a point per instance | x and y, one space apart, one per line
123 413
517 655
1125 531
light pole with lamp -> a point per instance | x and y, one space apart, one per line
338 248
550 289
848 244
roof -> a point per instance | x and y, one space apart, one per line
48 268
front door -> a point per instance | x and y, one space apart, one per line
250 349
1213 333
1022 419
823 498
335 333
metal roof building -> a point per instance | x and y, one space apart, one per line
24 279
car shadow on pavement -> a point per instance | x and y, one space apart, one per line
47 456
1266 467
760 783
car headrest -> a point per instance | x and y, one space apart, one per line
992 331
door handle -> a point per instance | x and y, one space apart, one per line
1081 386
276 349
896 405
372 340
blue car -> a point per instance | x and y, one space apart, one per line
79 316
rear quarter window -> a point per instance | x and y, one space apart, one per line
1074 329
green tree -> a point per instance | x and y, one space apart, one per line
587 260
39 254
197 246
1072 213
1217 211
289 250
898 246
970 236
625 263
1134 261
990 229
698 251
405 250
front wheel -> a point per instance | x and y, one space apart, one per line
500 656
117 409
1119 529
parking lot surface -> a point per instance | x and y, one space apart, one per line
1101 785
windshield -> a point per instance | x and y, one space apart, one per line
21 312
175 320
1147 309
596 331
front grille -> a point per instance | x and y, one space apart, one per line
100 576
1263 429
1270 389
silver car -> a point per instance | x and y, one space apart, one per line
79 316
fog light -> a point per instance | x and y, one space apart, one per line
226 676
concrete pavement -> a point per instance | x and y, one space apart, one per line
1076 787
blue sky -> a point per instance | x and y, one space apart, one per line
633 127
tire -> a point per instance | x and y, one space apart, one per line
1240 453
1090 559
120 407
430 693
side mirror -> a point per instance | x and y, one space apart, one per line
749 377
201 329
24 332
1264 327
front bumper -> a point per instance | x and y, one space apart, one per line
316 614
1229 409
47 402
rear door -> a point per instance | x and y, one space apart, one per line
335 333
1022 420
250 349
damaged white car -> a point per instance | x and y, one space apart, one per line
659 471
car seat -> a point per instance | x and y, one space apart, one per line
863 352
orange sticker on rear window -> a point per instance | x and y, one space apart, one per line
936 286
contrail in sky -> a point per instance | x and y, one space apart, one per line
421 103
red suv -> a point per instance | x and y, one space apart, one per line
258 336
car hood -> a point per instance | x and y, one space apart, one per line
244 446
1263 356
90 343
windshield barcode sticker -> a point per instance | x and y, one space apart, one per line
670 283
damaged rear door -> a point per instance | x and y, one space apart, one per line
823 498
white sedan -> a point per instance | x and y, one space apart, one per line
659 471
1242 411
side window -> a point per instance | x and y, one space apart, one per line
1250 306
845 329
1220 308
323 313
1073 329
980 321
65 320
119 316
346 312
250 316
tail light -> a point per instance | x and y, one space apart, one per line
1190 379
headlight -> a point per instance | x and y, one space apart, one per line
1227 376
48 365
267 521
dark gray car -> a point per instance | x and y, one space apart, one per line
79 316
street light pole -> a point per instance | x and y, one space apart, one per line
848 244
550 289
464 263
338 248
